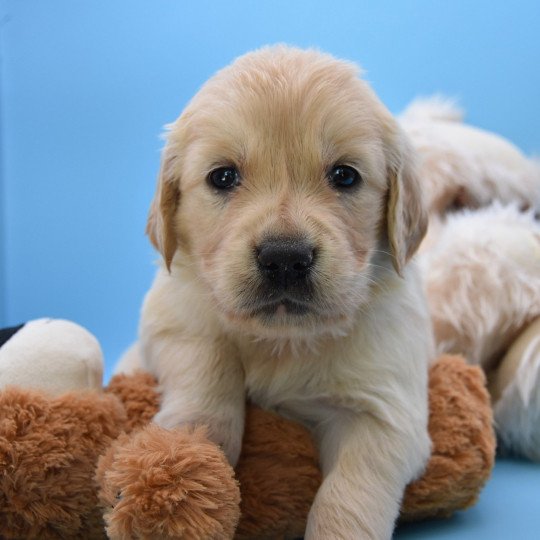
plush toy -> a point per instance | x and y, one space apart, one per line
67 353
53 433
88 464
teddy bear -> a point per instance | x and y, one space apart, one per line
80 461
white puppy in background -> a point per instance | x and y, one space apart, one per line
481 259
483 283
463 166
287 210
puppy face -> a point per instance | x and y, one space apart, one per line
285 185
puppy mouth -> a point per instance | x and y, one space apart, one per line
281 308
289 310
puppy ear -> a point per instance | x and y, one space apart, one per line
407 218
160 226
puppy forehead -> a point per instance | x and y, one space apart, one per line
289 102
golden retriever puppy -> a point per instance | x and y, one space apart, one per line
287 211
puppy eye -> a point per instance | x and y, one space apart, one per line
344 177
224 178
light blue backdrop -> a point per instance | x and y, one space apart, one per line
86 87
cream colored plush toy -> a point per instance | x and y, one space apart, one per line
69 357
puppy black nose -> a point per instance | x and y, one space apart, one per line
285 261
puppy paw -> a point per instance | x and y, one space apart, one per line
515 389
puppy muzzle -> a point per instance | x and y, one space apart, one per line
285 267
285 263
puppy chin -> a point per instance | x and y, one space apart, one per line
286 320
289 327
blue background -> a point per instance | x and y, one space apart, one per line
86 87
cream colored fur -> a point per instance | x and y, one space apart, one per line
354 368
482 269
52 355
483 283
515 388
466 167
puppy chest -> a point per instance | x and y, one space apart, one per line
306 390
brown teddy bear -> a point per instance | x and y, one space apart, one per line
88 463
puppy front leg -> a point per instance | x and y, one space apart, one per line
201 382
366 466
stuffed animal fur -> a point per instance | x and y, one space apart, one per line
66 352
89 464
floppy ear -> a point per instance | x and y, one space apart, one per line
160 226
406 214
